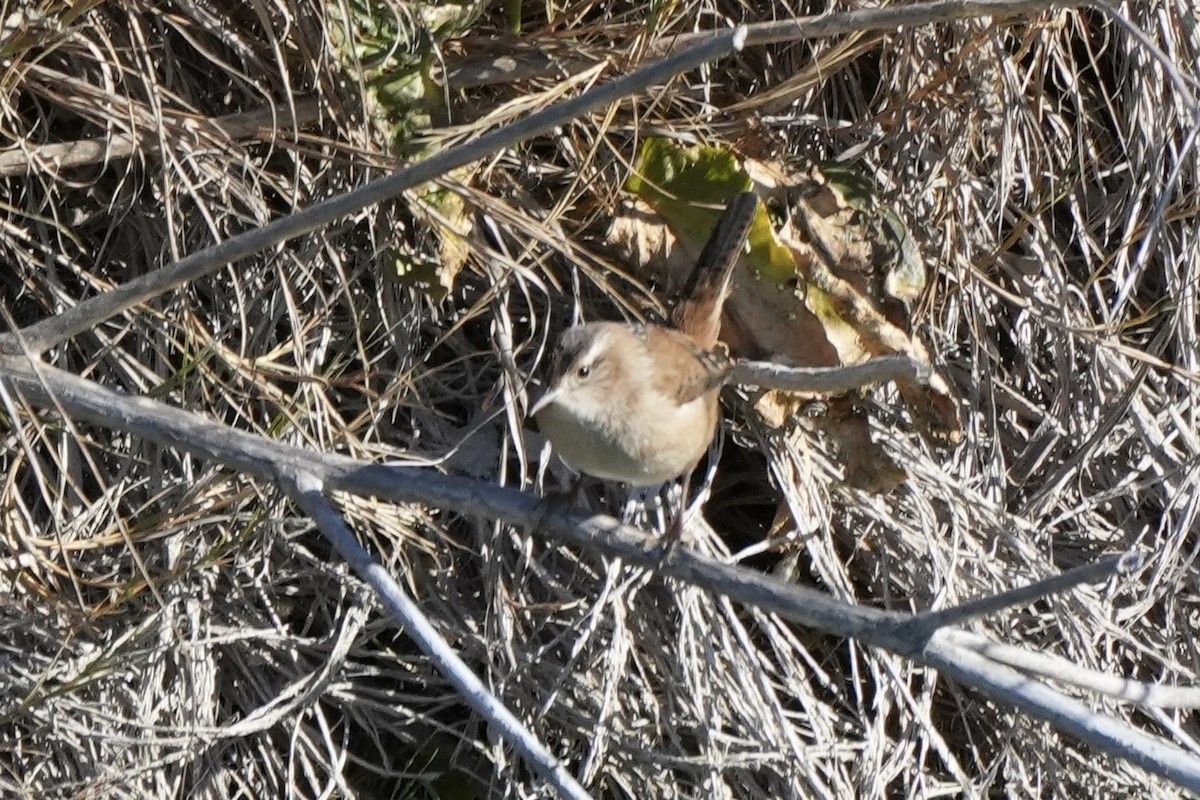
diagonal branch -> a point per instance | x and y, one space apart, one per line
1108 735
44 386
1057 668
306 491
926 623
43 335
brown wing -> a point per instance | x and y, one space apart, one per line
683 368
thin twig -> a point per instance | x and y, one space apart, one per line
927 622
1057 668
68 155
43 335
1039 700
261 457
306 490
768 375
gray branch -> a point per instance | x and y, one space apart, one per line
831 380
532 63
927 622
43 335
968 658
1108 735
890 18
1057 668
48 387
306 491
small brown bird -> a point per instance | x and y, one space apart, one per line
631 403
640 403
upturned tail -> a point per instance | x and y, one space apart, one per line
698 312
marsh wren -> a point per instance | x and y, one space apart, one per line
640 403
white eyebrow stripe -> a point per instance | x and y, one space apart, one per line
599 343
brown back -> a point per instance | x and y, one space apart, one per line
684 369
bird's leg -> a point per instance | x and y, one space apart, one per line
562 498
674 532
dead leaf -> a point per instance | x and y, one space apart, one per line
829 286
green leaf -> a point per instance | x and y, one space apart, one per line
688 186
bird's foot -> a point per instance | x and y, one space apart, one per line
557 500
667 543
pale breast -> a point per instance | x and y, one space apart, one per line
673 442
591 446
624 424
654 443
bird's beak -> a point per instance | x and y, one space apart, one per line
545 400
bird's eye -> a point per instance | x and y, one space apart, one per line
583 371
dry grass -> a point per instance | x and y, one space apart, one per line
172 629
